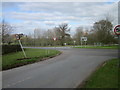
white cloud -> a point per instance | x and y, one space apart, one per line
69 10
51 14
61 0
42 16
27 27
63 22
49 23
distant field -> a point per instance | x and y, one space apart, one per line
10 60
105 77
99 47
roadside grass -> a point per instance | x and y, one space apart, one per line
105 77
34 55
99 47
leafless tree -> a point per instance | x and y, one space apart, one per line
6 31
79 33
62 31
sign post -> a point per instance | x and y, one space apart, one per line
47 51
84 39
18 38
74 43
81 39
119 47
22 48
55 42
117 32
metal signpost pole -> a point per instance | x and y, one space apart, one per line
17 36
81 41
119 49
46 50
117 32
54 43
46 46
85 39
74 43
85 43
22 48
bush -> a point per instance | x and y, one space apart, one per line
10 48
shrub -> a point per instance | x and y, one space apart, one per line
10 48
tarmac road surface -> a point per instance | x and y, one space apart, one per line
67 70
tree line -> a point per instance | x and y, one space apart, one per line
101 32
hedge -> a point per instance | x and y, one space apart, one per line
10 48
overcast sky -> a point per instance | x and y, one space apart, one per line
27 16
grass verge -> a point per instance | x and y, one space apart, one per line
99 47
34 55
105 77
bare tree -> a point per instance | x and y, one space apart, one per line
62 31
79 33
6 31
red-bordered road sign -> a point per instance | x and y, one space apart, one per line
54 39
17 36
117 30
